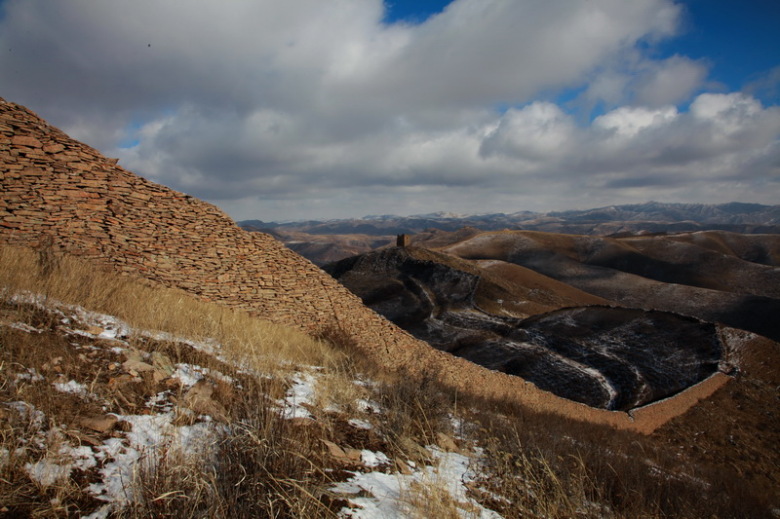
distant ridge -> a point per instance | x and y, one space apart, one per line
732 213
632 218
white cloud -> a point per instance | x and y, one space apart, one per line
731 108
669 81
630 78
479 51
537 132
627 122
306 108
723 138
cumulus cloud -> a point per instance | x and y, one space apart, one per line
305 108
669 81
538 132
627 122
723 137
631 79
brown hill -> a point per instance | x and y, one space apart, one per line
326 248
700 275
736 427
763 249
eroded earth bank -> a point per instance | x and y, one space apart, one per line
563 340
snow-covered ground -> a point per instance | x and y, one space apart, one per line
378 494
375 487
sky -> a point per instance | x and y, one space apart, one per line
320 109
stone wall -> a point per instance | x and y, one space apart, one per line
58 190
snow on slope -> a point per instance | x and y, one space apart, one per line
153 435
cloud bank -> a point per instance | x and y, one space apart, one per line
313 109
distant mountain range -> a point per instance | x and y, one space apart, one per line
325 241
650 217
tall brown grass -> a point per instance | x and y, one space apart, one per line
254 342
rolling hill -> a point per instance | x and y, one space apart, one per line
326 241
698 274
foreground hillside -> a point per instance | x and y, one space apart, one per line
172 406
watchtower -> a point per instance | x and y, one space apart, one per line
403 240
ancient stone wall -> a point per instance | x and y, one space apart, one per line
57 190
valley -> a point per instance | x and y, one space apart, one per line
613 321
574 345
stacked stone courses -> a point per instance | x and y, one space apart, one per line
86 205
62 193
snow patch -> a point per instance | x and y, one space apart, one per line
368 406
72 387
360 424
47 472
299 396
30 374
59 465
150 438
25 328
28 412
373 459
374 495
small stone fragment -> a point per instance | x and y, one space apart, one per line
99 423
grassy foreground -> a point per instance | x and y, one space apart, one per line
263 463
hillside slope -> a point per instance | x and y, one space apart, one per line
183 408
698 275
605 357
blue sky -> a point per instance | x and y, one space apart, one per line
330 109
740 39
412 12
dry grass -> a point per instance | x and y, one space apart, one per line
549 466
262 465
428 499
268 467
254 342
